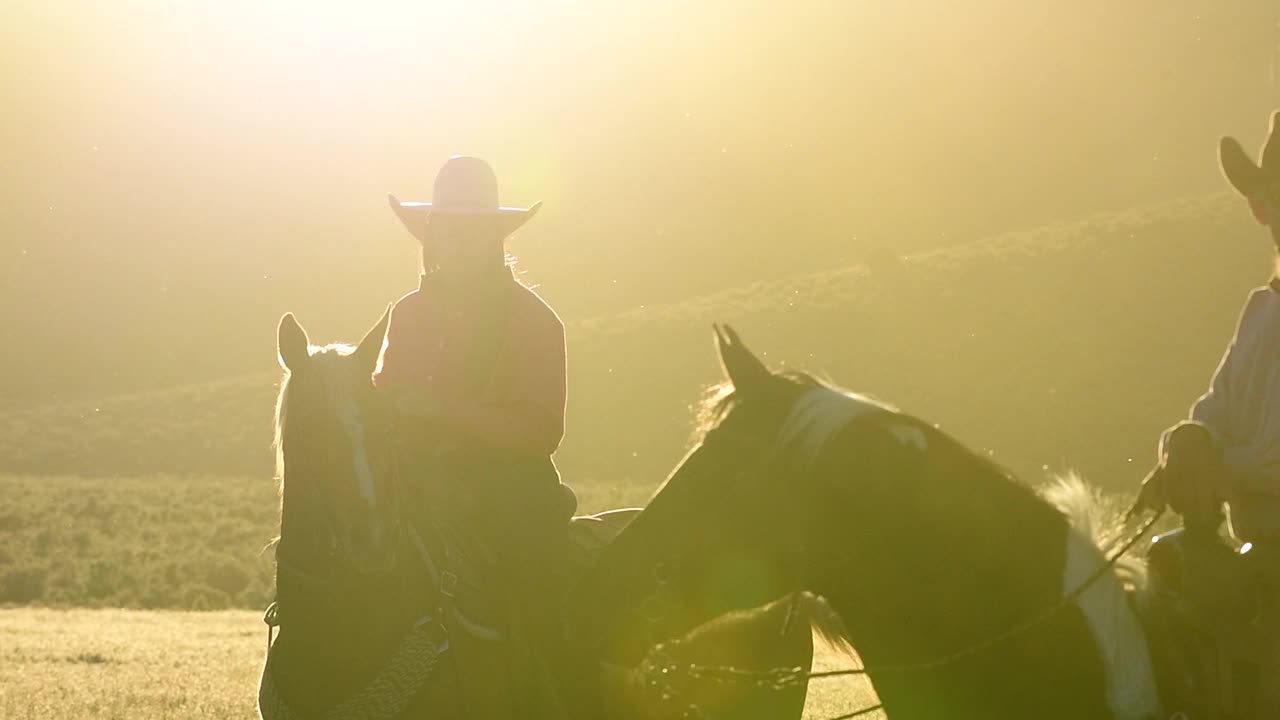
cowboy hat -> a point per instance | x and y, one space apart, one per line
467 185
1246 176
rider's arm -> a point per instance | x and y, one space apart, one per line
1254 466
1212 409
1254 469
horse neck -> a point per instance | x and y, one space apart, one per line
306 567
949 582
302 547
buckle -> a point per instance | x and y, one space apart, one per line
448 583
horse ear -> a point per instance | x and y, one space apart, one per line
370 347
742 368
292 344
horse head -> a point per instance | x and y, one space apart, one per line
977 591
707 543
335 454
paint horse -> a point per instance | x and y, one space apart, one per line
382 614
966 593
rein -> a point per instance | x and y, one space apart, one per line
660 668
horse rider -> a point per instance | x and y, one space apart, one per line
474 363
1229 448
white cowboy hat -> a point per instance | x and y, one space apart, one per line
467 185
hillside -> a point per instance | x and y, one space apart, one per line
162 541
1066 345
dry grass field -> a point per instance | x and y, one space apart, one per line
157 665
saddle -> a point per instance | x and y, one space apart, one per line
1203 614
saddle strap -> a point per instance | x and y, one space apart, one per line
387 695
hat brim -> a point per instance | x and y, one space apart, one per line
1240 170
511 217
428 208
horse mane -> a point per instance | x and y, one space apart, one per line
1092 514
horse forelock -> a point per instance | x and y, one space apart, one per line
327 362
812 412
818 415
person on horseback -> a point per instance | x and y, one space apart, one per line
1228 451
474 363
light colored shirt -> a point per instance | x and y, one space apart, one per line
489 360
1242 411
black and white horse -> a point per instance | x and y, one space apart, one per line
930 554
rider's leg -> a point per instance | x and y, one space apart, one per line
530 536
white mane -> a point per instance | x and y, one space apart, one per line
1122 644
822 412
338 389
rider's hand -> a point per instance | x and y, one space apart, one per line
1192 471
1153 495
414 221
1188 492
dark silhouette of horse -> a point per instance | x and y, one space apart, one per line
383 609
966 593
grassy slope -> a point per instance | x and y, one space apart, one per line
1071 344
